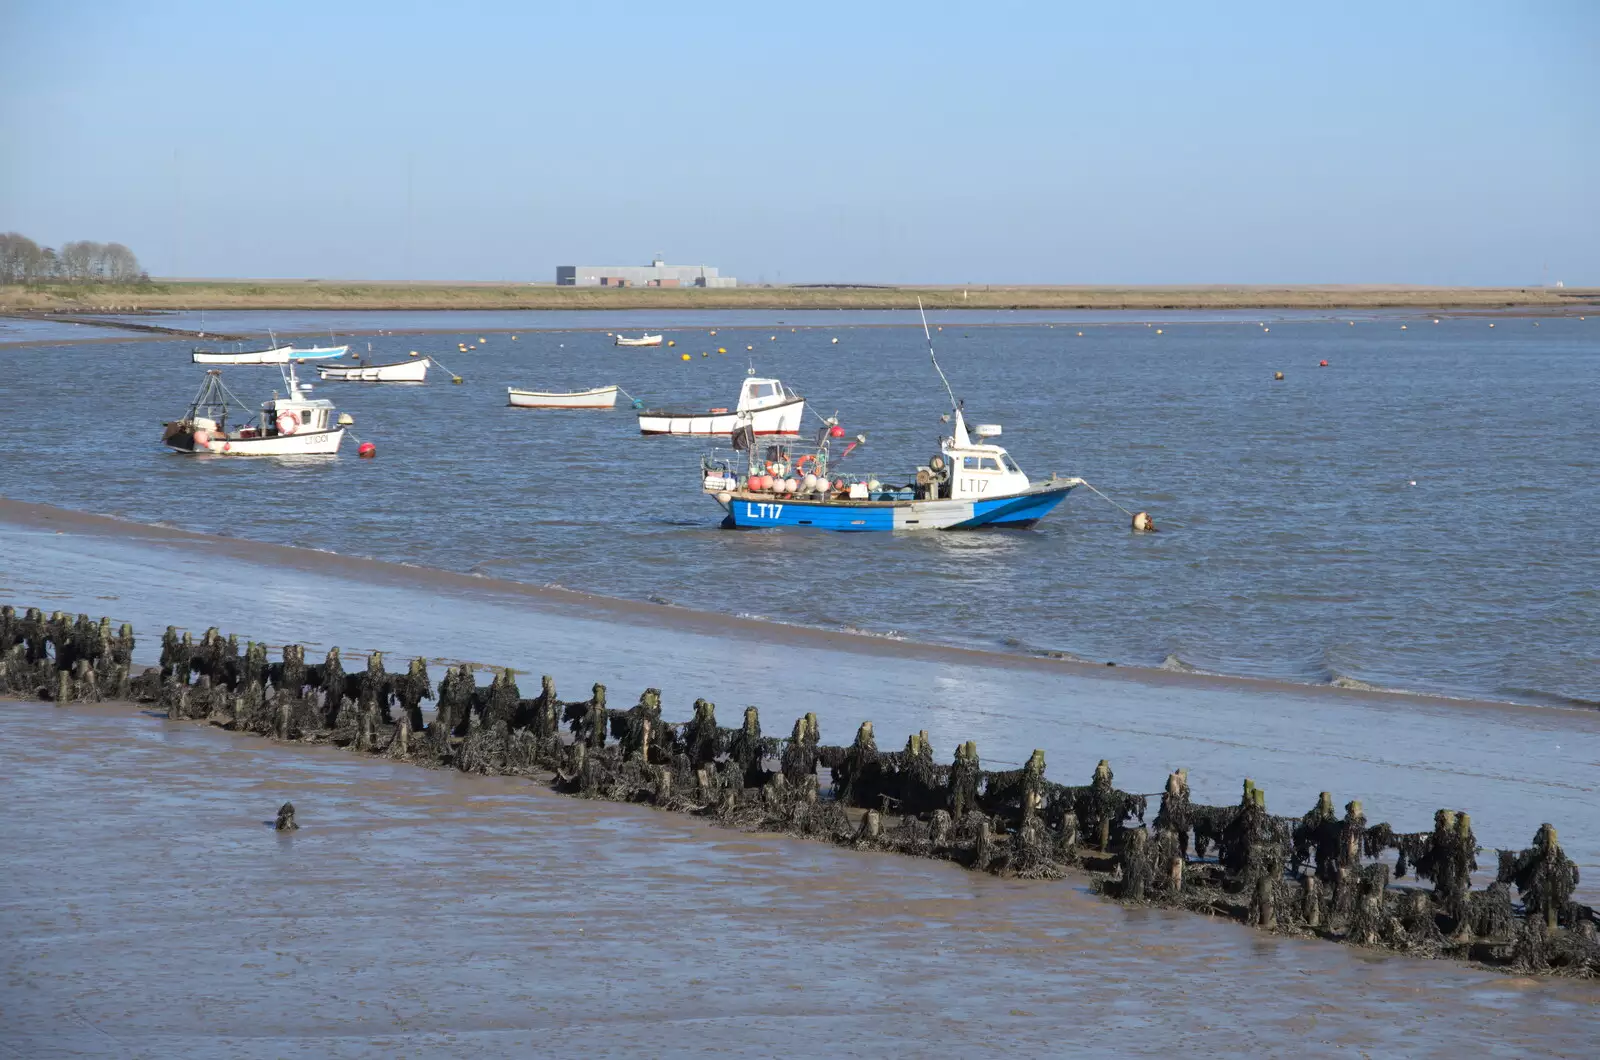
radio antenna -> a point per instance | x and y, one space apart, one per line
935 360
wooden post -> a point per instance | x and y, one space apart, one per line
1264 907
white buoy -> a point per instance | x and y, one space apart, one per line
1143 524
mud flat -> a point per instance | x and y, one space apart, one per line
150 910
319 294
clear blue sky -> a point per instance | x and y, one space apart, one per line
1452 143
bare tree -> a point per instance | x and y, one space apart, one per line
121 265
81 261
19 258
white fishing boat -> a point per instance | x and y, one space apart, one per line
411 371
294 425
970 483
766 405
601 397
642 340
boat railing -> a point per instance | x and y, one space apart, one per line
725 468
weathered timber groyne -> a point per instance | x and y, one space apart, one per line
1323 874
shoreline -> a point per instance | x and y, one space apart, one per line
307 295
1013 824
579 603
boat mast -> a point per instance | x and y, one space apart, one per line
955 406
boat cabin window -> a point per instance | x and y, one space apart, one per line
760 390
979 463
1011 465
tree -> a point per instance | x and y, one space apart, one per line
81 261
19 258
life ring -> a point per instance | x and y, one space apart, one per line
805 464
288 423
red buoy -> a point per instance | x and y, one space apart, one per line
836 431
1324 364
366 450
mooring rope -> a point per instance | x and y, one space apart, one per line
1108 500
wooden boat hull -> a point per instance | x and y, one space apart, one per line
302 443
412 371
756 511
603 397
777 419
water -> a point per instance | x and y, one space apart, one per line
1294 544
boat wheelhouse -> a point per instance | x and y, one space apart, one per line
296 424
766 406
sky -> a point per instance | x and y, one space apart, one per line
1051 143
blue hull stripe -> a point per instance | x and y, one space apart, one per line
1020 511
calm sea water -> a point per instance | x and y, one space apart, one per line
1419 515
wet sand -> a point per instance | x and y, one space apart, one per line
150 910
1404 756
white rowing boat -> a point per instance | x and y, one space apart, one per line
272 355
601 397
642 340
412 371
765 405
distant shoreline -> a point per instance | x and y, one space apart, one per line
166 295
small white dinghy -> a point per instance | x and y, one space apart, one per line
601 397
296 425
642 340
412 371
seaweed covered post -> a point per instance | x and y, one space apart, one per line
1316 837
1101 806
965 776
916 781
1545 877
1448 859
546 720
504 696
747 748
1345 869
639 727
285 821
1173 818
799 759
332 685
702 740
454 701
410 690
376 686
858 780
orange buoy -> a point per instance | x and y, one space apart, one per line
1322 364
366 450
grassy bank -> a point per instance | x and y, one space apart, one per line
318 294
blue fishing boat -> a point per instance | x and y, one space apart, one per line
968 485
